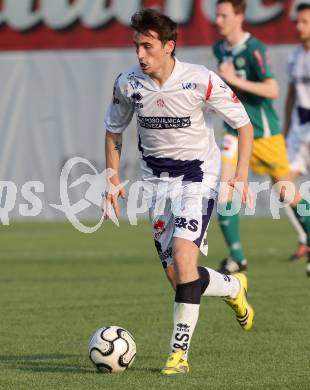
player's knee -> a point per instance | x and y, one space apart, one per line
185 255
188 292
204 278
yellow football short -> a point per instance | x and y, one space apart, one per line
269 156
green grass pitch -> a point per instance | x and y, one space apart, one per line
57 286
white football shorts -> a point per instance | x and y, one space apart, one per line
298 148
179 210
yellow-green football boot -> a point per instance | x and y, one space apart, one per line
176 364
240 305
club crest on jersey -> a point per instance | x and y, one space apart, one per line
190 86
161 103
159 228
183 223
240 62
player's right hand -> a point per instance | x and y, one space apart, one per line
110 204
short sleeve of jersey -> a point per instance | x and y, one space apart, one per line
261 61
121 109
290 66
225 102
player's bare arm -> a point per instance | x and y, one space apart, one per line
290 99
240 181
267 88
113 146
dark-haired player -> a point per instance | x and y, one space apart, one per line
180 164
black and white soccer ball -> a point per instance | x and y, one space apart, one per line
112 349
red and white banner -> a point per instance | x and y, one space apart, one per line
78 24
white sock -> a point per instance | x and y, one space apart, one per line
302 236
185 317
221 285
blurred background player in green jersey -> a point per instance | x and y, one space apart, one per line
245 66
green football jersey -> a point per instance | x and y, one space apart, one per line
251 63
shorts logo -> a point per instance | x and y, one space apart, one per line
166 255
163 122
159 228
182 223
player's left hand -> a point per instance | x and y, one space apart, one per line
228 73
242 186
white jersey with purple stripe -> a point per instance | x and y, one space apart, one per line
299 76
298 140
174 122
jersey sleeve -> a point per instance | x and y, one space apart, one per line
121 109
220 98
290 66
261 62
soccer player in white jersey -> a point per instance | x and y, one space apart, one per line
297 120
180 164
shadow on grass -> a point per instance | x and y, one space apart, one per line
58 363
147 370
44 363
29 358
